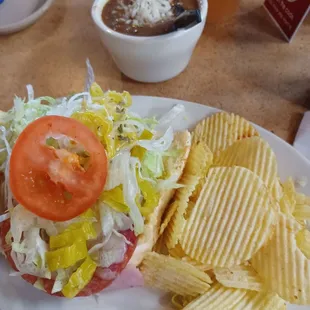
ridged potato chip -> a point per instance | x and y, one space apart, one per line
196 264
181 301
254 154
199 161
178 252
217 297
224 298
260 301
242 276
222 129
303 242
160 246
276 190
282 265
302 212
232 219
302 207
170 274
168 216
176 225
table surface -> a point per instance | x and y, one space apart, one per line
243 65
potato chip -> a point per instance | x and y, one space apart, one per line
285 206
302 199
160 246
282 265
288 200
254 154
261 300
223 129
217 297
167 216
303 242
181 301
199 160
231 220
196 264
177 252
302 212
302 207
276 190
176 225
242 276
170 274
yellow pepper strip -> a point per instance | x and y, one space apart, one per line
83 230
123 98
100 125
77 231
89 214
80 278
66 256
115 199
138 151
96 90
150 195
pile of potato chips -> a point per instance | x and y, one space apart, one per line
233 237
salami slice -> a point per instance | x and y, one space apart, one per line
102 278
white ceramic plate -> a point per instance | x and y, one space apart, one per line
15 294
16 15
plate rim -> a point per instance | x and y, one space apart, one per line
215 110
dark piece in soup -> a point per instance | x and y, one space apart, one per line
122 16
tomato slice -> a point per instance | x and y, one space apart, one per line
51 182
96 285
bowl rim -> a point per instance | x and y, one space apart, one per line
96 12
23 23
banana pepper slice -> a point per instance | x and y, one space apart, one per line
100 125
115 199
83 230
80 278
77 231
150 196
138 151
66 256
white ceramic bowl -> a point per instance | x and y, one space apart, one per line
150 59
16 15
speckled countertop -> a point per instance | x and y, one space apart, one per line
243 65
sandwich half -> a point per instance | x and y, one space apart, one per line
85 185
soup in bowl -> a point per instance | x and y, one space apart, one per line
148 51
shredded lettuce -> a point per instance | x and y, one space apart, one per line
160 145
122 170
153 162
60 280
170 183
39 285
165 121
4 217
123 134
111 219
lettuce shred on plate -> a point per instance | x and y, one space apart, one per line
136 148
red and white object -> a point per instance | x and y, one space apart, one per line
288 15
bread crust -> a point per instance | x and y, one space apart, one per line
146 241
